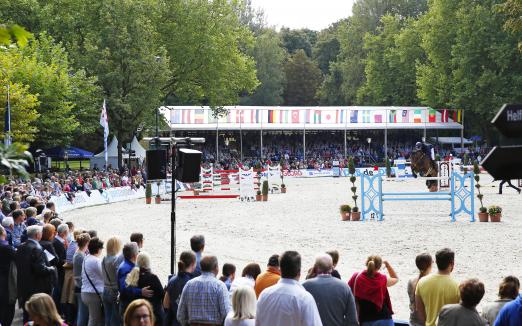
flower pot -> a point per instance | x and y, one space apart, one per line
265 197
283 190
157 200
258 197
495 217
483 217
148 200
356 216
345 216
196 192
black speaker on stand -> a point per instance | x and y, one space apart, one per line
156 164
188 165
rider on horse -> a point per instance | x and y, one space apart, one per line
426 149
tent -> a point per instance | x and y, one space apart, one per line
139 151
98 160
72 153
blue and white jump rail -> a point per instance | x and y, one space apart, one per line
461 194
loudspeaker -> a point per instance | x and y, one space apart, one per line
157 164
188 165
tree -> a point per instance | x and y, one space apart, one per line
298 39
513 10
269 56
303 77
327 47
13 33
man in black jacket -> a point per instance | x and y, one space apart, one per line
35 275
7 256
60 247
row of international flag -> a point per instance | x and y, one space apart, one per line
312 116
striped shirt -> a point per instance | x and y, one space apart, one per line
204 299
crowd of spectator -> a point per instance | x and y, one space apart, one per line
61 275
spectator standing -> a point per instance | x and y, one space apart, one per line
110 265
138 238
141 276
82 316
205 299
19 226
436 290
60 247
287 303
423 263
42 311
464 314
248 277
7 292
507 292
271 276
34 273
8 224
333 297
92 282
197 244
511 313
228 274
370 289
243 307
335 258
186 266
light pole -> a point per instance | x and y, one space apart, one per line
369 140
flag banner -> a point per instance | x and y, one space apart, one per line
377 118
328 117
240 116
432 115
186 116
366 116
254 116
405 116
175 116
210 116
295 116
308 114
104 122
444 115
392 116
457 115
417 116
199 116
354 114
317 116
341 116
271 116
284 116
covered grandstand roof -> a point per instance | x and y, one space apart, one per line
311 118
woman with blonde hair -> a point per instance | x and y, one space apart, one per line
243 307
110 264
370 289
139 313
141 276
42 311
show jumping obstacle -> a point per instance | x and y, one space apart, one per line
461 191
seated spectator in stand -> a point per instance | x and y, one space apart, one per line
436 290
141 276
271 276
287 303
197 244
42 311
186 266
370 289
243 307
129 293
138 238
205 299
7 295
30 214
110 265
335 258
464 314
511 313
248 277
34 273
139 313
423 263
333 297
228 274
507 292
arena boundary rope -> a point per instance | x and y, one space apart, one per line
461 191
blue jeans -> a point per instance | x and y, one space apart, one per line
382 322
111 308
83 311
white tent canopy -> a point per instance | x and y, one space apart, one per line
98 160
135 145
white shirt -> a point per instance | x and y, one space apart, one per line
245 322
287 304
92 266
242 281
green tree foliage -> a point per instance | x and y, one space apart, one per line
13 33
327 47
298 39
303 77
513 10
269 56
390 65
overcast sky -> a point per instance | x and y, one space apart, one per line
312 14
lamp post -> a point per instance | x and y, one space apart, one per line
369 140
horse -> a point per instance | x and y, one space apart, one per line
422 164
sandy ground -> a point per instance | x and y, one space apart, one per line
306 219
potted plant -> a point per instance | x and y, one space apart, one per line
345 212
483 212
495 213
148 194
356 215
283 188
265 190
258 195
